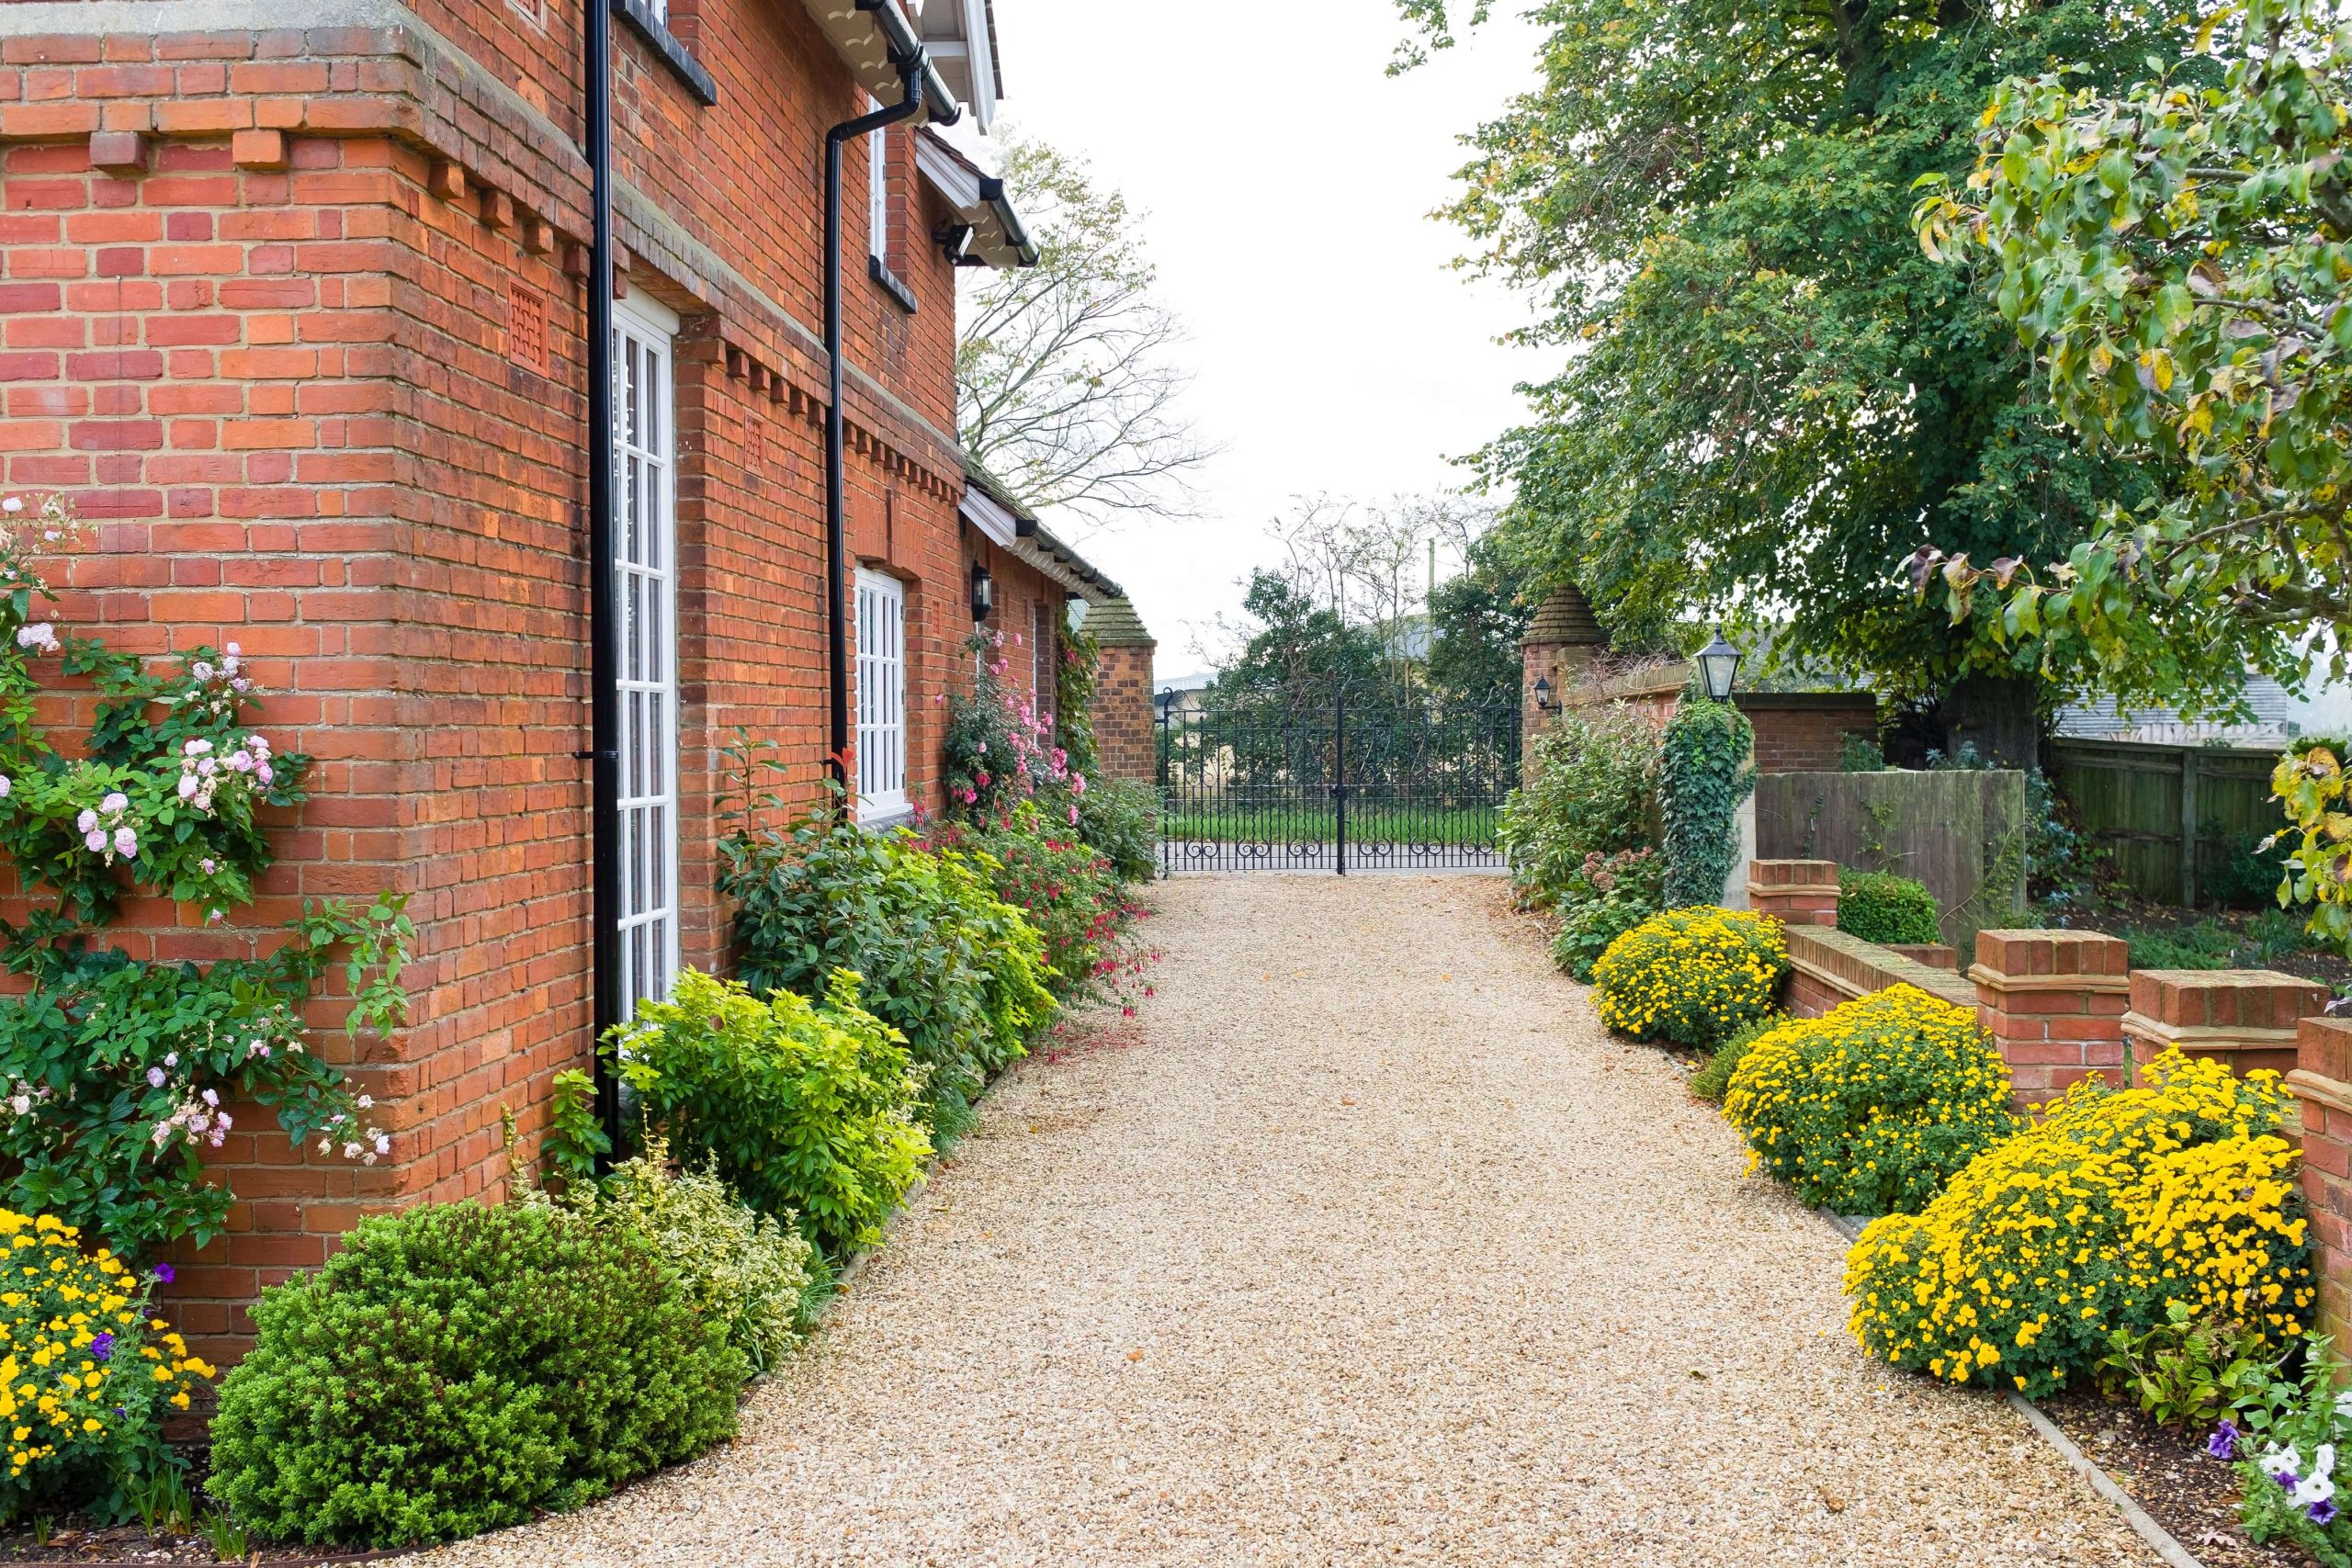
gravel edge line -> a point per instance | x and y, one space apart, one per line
2156 1535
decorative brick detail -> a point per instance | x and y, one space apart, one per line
1827 968
1794 892
2321 1084
258 150
118 151
2053 1002
1934 954
2247 1018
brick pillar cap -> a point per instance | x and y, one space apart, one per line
2080 960
1792 874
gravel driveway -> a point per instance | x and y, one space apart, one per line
1364 1244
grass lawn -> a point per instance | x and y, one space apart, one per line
1368 822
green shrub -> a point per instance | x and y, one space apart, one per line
1691 976
1881 907
2238 872
1061 885
806 1110
1703 775
1872 1107
741 1269
2115 1205
1711 1081
1606 897
2205 945
1592 789
455 1368
944 961
1120 819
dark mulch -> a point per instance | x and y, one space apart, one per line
2191 1494
130 1544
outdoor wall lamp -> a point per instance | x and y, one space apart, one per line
1544 702
983 593
1718 665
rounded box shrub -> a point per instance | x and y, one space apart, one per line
1881 907
456 1369
1691 976
1872 1107
2116 1205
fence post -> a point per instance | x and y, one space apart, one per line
2188 826
1340 779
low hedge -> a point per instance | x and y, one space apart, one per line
455 1368
1881 907
1872 1107
2103 1215
1691 976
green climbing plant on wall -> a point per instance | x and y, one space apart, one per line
1705 771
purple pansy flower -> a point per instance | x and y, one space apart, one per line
2321 1511
101 1346
2223 1443
164 1275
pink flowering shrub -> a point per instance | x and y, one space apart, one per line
120 1073
1001 751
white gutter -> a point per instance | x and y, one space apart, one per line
958 35
867 34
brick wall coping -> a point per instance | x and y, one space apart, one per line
1985 974
2190 1036
1791 889
1852 967
2333 1093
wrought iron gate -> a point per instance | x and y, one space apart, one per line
1347 783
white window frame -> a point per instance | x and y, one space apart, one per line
645 593
878 189
881 698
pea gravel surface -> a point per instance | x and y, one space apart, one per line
1363 1243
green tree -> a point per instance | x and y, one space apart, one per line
2178 256
1770 396
1477 621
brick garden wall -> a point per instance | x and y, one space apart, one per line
1123 719
259 315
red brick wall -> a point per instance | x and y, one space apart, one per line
288 387
1123 717
1805 731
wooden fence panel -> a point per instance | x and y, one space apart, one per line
2167 814
1955 831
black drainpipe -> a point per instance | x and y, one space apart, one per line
910 73
604 657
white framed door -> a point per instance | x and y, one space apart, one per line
881 698
646 591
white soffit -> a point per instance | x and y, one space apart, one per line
978 201
959 37
983 511
861 38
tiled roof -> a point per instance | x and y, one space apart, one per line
1115 624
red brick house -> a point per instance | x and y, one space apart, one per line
294 300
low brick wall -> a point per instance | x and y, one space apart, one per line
2321 1084
1827 968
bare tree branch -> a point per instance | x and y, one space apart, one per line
1066 391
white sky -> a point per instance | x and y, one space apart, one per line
1286 184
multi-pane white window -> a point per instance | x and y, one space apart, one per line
878 191
881 696
646 589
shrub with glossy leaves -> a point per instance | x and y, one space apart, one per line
1872 1107
2102 1217
455 1368
803 1110
1691 976
1881 907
